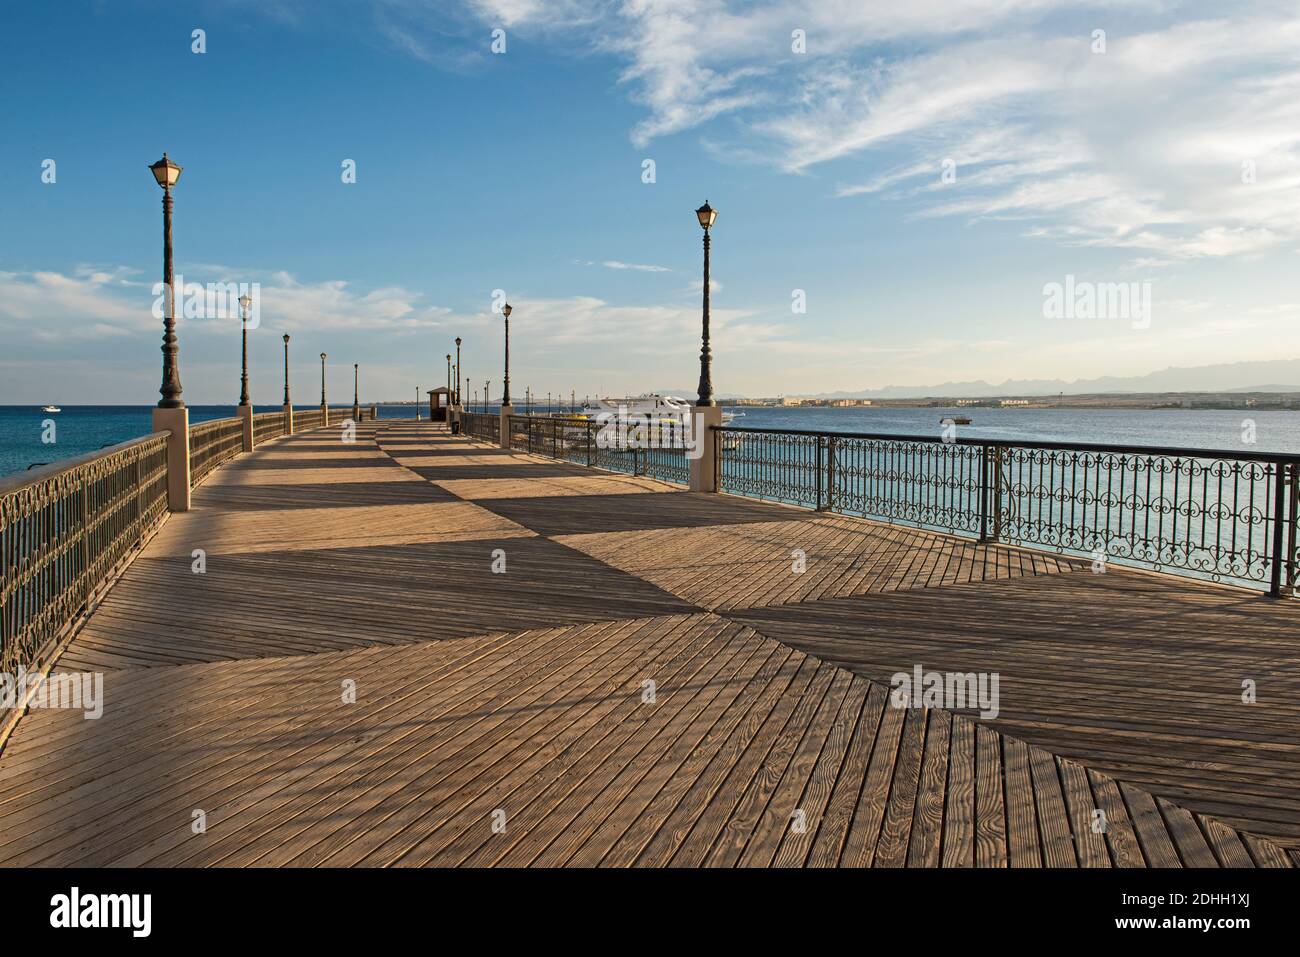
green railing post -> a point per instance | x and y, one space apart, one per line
817 466
1292 521
996 479
830 473
984 493
1279 527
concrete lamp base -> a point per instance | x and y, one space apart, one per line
704 468
177 422
246 418
506 412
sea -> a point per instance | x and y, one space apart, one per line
30 437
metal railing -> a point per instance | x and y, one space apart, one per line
63 530
1220 515
211 444
267 426
481 425
654 450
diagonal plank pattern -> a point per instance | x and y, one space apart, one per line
350 682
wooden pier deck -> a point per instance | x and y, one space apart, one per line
647 682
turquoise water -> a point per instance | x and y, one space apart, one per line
82 429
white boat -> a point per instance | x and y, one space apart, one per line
51 408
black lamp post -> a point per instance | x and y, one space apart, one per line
486 384
449 378
707 215
457 391
286 368
322 380
244 302
505 389
356 378
167 173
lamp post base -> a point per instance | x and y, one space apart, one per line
704 467
177 422
246 418
288 419
506 412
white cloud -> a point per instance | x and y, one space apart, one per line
1109 149
639 267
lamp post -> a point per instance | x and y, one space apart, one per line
708 416
244 302
707 216
167 173
170 415
356 391
245 410
287 407
486 384
417 403
505 388
457 390
286 370
324 408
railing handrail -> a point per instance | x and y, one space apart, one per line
213 423
15 482
1154 450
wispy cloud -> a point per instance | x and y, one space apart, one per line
1089 148
616 264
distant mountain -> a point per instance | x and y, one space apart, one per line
1225 377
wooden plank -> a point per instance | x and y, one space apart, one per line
1023 846
1081 807
990 809
959 813
1150 828
896 831
927 821
1192 848
1054 828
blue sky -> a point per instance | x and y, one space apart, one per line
523 171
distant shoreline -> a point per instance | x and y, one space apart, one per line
1275 401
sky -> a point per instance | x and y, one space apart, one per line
899 187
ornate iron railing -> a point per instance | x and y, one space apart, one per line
655 451
64 529
267 426
481 425
1217 514
211 444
